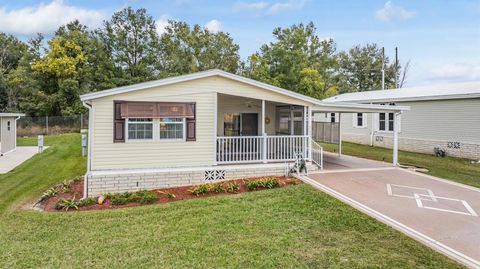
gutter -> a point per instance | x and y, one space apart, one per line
89 151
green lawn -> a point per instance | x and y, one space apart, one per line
292 227
455 169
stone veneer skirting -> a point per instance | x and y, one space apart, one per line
142 179
453 148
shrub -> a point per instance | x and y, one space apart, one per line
49 193
87 202
147 197
267 183
119 200
232 187
200 189
168 194
217 187
67 204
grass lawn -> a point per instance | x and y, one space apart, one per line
292 227
455 169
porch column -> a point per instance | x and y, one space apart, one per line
395 139
339 134
310 133
264 135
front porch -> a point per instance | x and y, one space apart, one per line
259 131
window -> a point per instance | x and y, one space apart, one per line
332 117
140 129
231 124
297 122
172 128
386 122
8 125
360 120
284 123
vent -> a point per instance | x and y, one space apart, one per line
214 175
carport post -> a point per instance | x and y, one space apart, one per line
395 139
339 135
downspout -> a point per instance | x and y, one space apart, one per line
89 153
372 133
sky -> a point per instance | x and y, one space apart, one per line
440 38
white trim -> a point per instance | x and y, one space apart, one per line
355 120
440 247
215 127
12 115
220 73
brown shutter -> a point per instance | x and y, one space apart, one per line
118 123
192 125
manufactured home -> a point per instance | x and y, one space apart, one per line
8 131
443 117
202 127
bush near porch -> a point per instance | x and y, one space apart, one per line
294 227
451 168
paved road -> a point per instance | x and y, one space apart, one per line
442 214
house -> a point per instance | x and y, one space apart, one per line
444 116
8 131
202 127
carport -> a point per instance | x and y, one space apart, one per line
337 108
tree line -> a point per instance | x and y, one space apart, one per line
47 79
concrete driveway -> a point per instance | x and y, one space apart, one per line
439 213
13 159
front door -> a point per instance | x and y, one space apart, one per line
249 125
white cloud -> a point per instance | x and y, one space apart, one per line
285 6
214 26
392 12
457 71
46 18
264 8
250 6
162 23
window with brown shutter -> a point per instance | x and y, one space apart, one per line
118 123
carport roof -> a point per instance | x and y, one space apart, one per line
12 114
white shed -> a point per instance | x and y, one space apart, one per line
8 131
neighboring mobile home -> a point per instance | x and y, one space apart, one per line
8 131
202 127
441 116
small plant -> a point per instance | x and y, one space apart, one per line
200 189
232 187
87 202
267 183
147 197
119 200
67 204
217 187
168 194
66 186
49 193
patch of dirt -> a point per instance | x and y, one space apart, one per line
180 193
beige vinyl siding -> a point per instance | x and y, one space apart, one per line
159 154
7 138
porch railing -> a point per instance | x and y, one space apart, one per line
317 154
250 149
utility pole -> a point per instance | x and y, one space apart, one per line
383 68
396 67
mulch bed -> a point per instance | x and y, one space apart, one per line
181 193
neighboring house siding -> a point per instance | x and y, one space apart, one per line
159 154
7 138
429 124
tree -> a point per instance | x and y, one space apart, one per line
131 40
11 52
360 69
185 50
297 60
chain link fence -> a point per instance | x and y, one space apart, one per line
51 125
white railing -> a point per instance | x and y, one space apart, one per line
317 154
285 147
250 149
